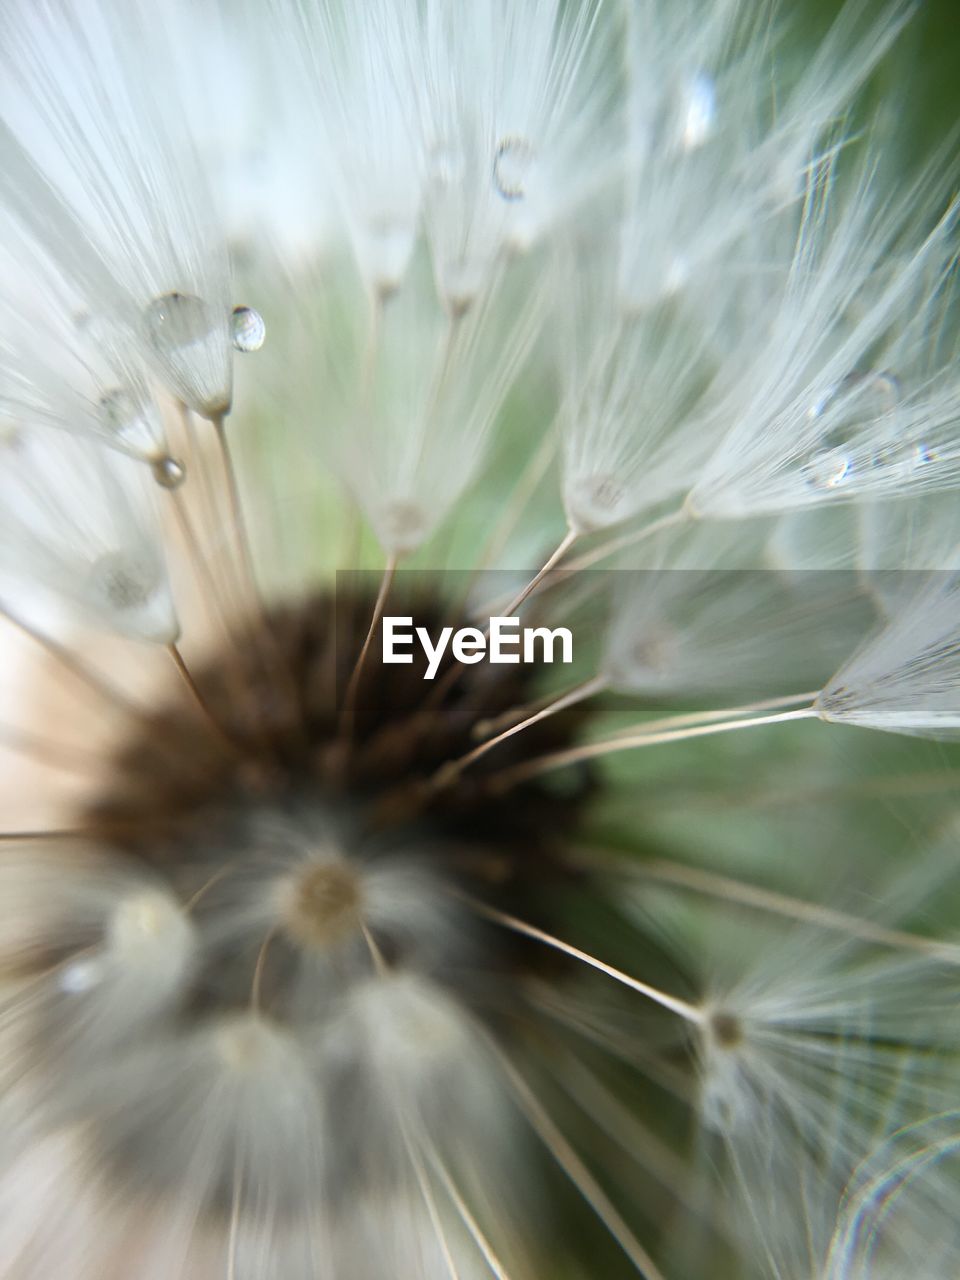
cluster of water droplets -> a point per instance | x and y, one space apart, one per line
860 431
190 339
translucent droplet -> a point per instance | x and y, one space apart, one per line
249 329
924 454
859 398
191 340
830 469
176 320
699 111
168 472
511 166
854 416
80 976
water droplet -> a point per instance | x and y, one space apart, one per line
829 469
699 111
511 166
80 976
249 329
855 415
858 397
176 320
168 472
191 340
923 454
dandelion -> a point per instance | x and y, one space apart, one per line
319 960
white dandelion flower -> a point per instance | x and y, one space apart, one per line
412 920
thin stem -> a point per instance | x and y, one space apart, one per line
632 539
211 720
525 488
578 1173
454 673
241 533
348 711
256 985
234 1221
623 1127
53 833
714 717
507 520
426 1191
376 955
198 561
767 900
690 1013
449 772
208 499
564 545
630 741
466 1217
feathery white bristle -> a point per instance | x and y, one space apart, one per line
890 1220
112 189
72 527
837 400
903 678
288 1034
740 630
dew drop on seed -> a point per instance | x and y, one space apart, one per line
191 340
829 469
699 111
79 976
168 472
923 454
511 166
177 320
248 329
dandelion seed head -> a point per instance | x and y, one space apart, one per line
326 965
